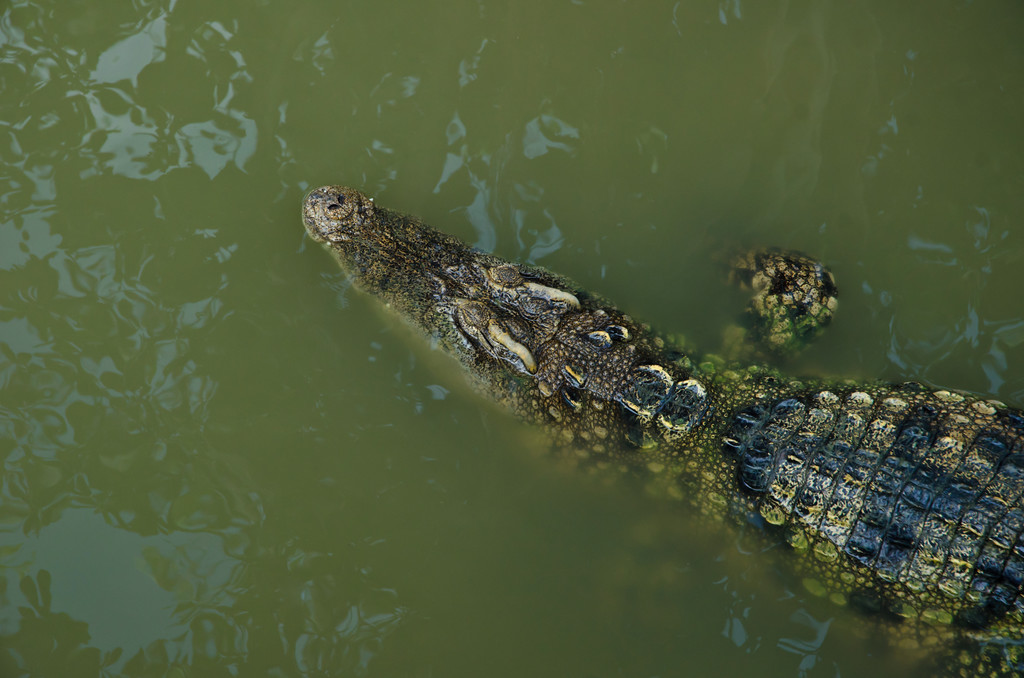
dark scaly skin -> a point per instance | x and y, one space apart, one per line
896 498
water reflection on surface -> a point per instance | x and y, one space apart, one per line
217 460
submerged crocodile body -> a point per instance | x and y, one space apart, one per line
899 498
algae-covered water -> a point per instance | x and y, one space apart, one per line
219 460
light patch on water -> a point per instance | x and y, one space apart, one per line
540 131
127 590
20 338
125 59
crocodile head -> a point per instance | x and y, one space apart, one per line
490 314
527 337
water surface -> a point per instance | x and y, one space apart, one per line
220 460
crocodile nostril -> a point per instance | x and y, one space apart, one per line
341 199
333 206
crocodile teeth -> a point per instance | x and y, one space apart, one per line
552 294
505 339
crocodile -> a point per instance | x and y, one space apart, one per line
895 498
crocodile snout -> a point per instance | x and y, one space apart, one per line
332 214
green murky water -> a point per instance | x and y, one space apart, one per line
218 460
